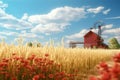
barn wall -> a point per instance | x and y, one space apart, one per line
91 40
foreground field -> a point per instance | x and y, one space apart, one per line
81 60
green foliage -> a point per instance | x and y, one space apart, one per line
39 45
32 44
29 44
94 47
113 44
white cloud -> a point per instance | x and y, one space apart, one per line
106 11
48 28
78 35
11 22
118 38
96 10
112 31
118 17
22 34
2 5
25 16
9 33
107 26
23 31
61 14
3 37
30 35
57 19
105 36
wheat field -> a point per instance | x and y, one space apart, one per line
80 59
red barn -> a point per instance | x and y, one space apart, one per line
91 40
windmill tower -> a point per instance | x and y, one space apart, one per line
99 25
91 39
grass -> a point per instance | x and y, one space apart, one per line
82 60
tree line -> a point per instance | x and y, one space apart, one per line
114 44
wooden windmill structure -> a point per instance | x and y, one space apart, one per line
92 39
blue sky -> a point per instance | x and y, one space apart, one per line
43 20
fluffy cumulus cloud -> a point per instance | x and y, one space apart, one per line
118 38
9 33
78 35
99 9
11 22
61 14
96 10
109 29
22 34
57 19
106 11
3 37
2 5
115 31
108 26
30 35
49 28
25 16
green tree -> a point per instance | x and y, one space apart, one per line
34 44
39 45
113 44
29 44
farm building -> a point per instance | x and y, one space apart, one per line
92 39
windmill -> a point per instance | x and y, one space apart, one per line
91 39
98 25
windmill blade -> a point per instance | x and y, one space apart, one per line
91 28
99 24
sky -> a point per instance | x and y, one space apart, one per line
43 20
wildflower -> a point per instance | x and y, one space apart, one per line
31 57
29 67
42 75
64 78
41 68
50 75
62 73
14 78
93 78
5 60
105 76
116 58
103 65
3 64
46 55
36 77
16 58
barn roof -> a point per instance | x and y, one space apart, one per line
90 32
